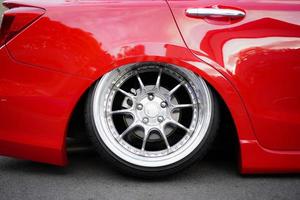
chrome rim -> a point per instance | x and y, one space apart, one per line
151 116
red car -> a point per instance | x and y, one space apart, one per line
149 79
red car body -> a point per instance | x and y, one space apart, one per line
253 63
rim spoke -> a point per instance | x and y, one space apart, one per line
179 125
124 111
129 128
157 85
179 106
146 135
125 93
142 86
176 88
163 134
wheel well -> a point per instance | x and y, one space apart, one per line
76 127
225 143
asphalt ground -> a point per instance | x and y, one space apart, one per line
88 177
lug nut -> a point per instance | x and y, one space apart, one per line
150 97
145 120
139 106
160 119
163 104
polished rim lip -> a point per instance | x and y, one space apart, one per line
99 115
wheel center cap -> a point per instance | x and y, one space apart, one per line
152 109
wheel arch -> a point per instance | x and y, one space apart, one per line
224 89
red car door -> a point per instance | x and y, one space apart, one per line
255 44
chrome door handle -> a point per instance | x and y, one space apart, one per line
215 12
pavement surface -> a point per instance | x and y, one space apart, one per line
88 177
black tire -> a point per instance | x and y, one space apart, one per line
150 172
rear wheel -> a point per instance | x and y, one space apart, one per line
151 119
